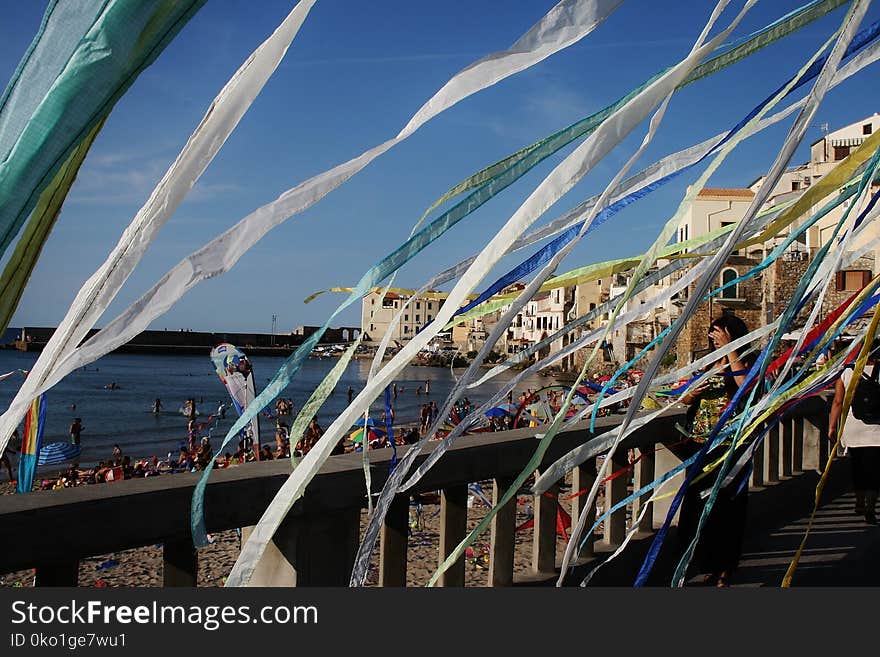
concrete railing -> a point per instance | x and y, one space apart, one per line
53 531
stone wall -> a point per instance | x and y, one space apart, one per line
834 297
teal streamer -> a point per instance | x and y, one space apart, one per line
126 38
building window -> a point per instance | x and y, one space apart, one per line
430 317
406 329
726 277
418 318
372 302
795 185
840 152
430 306
387 303
418 305
867 129
372 328
850 281
406 318
592 306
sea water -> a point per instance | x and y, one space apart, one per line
124 416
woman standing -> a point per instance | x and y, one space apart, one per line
862 442
718 550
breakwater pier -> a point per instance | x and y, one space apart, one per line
181 341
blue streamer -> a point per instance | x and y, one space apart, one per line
389 428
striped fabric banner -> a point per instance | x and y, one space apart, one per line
30 444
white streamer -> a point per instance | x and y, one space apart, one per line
96 293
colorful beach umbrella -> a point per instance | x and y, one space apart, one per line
55 453
372 434
360 422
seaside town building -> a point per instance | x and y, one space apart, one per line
377 316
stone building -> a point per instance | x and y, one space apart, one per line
377 316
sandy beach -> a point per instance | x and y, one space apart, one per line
142 567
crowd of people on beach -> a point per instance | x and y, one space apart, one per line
196 452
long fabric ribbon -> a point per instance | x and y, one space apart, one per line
861 361
27 251
115 41
554 427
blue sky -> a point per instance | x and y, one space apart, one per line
352 78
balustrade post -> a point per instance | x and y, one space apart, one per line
822 438
771 471
546 508
273 568
615 491
812 446
797 444
785 466
453 525
644 474
582 479
312 550
758 464
61 572
503 529
393 543
180 563
665 461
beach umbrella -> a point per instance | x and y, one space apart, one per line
372 434
496 412
360 422
55 453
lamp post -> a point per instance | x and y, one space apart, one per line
274 319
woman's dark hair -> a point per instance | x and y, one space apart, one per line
736 328
734 325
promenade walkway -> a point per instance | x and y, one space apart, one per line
842 550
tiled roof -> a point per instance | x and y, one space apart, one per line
727 192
